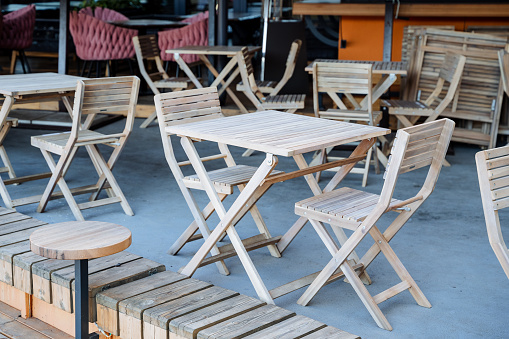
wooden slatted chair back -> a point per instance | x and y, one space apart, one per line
105 96
503 59
146 48
417 147
493 175
345 78
184 107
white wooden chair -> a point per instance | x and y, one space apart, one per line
198 105
105 96
346 79
272 87
146 49
415 147
288 102
493 173
408 112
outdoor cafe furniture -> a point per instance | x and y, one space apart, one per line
272 87
493 171
147 50
17 34
223 78
415 147
263 131
80 241
503 60
98 41
346 79
93 96
26 88
198 105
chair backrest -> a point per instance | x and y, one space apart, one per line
493 174
291 61
146 49
247 74
503 59
197 17
105 96
97 40
451 71
184 107
345 78
196 33
18 28
417 147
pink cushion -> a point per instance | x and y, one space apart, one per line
196 33
104 14
18 28
197 17
97 40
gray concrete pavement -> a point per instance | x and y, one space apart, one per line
444 246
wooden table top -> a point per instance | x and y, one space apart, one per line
76 240
279 133
379 67
148 23
212 50
37 83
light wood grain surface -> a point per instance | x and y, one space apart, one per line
75 240
278 133
379 67
35 83
212 50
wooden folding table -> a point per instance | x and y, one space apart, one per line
232 67
25 88
264 131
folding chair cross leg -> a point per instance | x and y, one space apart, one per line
415 147
111 95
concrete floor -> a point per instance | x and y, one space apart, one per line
445 246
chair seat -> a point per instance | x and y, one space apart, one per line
264 86
284 101
225 179
12 121
172 83
344 204
55 142
406 107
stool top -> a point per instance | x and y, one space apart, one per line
76 240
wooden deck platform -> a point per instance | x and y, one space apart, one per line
130 297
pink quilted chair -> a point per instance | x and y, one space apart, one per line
17 34
196 33
104 14
96 40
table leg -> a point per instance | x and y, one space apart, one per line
186 70
381 87
81 301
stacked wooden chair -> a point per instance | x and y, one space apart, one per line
503 60
147 50
192 106
346 79
493 174
408 112
415 148
105 96
288 102
272 87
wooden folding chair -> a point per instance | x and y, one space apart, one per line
198 105
493 173
288 102
451 71
415 147
346 79
106 96
146 49
272 87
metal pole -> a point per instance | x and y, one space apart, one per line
63 35
266 14
389 15
81 299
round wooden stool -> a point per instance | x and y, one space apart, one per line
80 241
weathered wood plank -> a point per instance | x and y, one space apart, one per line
6 260
295 327
330 332
22 268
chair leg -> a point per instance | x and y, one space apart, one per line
149 120
365 297
323 160
248 152
24 61
14 57
83 68
366 168
7 162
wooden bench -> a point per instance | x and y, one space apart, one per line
132 297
